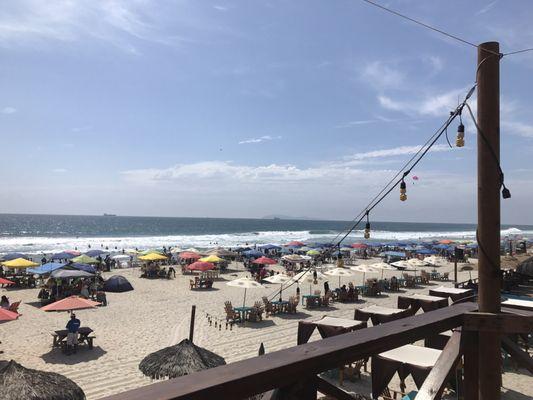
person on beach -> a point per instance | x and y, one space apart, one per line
73 326
4 303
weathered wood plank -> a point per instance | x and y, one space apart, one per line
445 365
497 323
332 390
519 356
470 347
260 374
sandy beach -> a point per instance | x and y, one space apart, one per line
156 315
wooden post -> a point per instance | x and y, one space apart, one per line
191 330
470 385
455 271
488 116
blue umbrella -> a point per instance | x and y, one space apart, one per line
472 246
95 253
253 253
270 247
62 256
83 267
13 256
392 254
45 268
426 251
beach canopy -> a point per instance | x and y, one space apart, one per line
308 276
70 303
152 257
84 259
264 261
211 259
313 252
270 247
181 359
445 241
340 272
392 254
19 263
252 253
426 251
20 383
295 243
200 266
95 253
83 267
415 262
121 257
294 258
62 256
278 278
70 273
6 315
117 284
190 255
45 268
4 281
12 256
73 252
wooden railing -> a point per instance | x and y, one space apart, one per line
293 371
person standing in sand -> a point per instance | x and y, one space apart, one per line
73 325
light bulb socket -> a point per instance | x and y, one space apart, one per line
506 193
403 186
461 128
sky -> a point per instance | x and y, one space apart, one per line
252 108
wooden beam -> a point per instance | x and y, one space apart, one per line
260 374
497 323
445 365
519 356
470 347
332 390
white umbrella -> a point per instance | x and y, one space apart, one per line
383 267
279 279
415 262
176 250
121 257
405 266
192 249
436 261
245 283
365 269
294 258
340 272
308 276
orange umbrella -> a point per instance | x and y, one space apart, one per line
6 315
4 281
445 241
70 303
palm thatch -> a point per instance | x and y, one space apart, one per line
20 383
181 359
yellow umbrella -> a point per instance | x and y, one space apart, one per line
152 257
19 263
212 259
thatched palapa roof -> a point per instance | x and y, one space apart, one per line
20 383
181 359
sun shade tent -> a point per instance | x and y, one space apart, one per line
264 261
181 359
211 259
70 273
280 279
340 272
201 266
20 383
189 255
84 259
71 303
46 268
12 256
19 263
117 284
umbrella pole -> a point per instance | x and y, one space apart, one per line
244 301
280 291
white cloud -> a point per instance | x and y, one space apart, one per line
517 128
487 8
220 8
9 110
59 170
396 151
380 75
261 139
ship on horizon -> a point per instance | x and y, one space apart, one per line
109 215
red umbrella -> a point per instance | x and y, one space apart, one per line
4 281
295 243
264 261
73 252
359 246
186 255
6 315
200 266
71 303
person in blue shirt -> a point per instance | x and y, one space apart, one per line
73 326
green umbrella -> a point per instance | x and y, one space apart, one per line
85 259
313 253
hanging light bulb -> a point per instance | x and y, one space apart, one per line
403 191
367 227
460 141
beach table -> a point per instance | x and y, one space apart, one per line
327 327
519 304
407 360
280 305
311 300
423 301
243 312
451 292
379 315
60 337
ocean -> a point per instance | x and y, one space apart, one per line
35 234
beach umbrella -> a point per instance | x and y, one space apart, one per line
295 243
270 247
121 257
70 303
279 279
6 315
13 256
359 246
435 261
84 259
20 383
252 253
45 268
245 283
220 252
340 272
308 276
70 273
445 241
82 267
62 256
95 253
294 258
181 359
4 281
313 252
211 259
192 249
200 266
132 251
365 269
117 284
19 263
176 250
152 257
187 255
415 262
383 267
264 261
